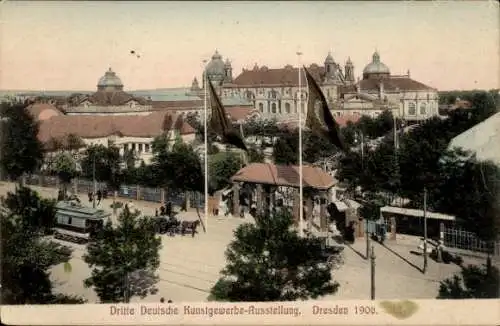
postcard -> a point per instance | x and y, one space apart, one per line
271 163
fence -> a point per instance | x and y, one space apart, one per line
465 240
134 192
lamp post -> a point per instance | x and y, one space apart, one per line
360 138
301 186
205 126
425 230
3 128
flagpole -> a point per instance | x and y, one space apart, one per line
205 80
301 186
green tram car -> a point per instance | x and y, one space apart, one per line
77 223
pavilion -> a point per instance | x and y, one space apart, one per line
266 179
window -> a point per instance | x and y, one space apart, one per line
303 108
261 107
423 108
287 107
279 108
412 109
133 147
139 147
273 108
146 147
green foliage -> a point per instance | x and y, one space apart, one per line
124 259
107 165
222 167
286 149
457 184
185 168
270 262
255 155
26 256
473 282
37 214
22 152
64 167
371 128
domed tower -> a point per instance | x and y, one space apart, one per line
349 71
216 70
110 82
329 66
195 87
228 70
376 69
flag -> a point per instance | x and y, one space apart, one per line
221 124
319 118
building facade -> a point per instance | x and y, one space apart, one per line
109 99
276 94
378 90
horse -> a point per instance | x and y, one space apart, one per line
192 225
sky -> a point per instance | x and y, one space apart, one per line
69 45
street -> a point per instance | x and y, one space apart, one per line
190 266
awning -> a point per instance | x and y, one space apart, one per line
416 213
341 206
227 191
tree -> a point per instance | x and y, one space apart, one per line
255 155
469 189
35 214
104 163
286 149
22 152
124 259
473 282
26 256
65 167
270 262
222 167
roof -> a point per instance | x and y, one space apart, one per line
168 94
416 213
341 121
282 76
96 126
284 175
394 84
184 104
241 113
103 98
482 139
43 111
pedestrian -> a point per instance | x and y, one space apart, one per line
162 300
168 209
162 210
99 196
91 196
156 212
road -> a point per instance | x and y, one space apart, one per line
190 266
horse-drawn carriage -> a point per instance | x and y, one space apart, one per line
171 225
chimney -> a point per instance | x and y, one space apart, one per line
408 73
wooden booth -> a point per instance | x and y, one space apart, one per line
275 186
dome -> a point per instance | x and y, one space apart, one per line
215 68
110 80
329 58
376 67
